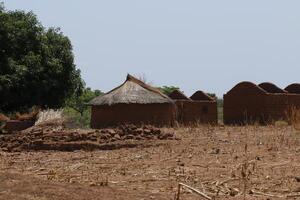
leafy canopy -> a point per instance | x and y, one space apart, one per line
78 103
36 64
168 89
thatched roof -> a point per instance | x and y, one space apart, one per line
178 95
201 96
293 88
132 91
271 88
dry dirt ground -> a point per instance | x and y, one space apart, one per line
253 162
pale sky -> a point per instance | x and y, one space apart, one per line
208 45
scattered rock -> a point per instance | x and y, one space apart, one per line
42 137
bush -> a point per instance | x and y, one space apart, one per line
75 120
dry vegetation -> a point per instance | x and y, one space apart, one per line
251 162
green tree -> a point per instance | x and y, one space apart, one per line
37 64
168 89
78 103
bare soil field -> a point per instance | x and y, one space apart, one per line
252 162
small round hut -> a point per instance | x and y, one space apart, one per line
133 102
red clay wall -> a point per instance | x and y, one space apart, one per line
191 112
251 105
293 88
243 104
154 114
278 105
239 109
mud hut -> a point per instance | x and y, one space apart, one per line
201 110
133 102
264 103
293 88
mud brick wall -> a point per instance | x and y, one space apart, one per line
271 88
276 106
293 88
242 109
294 100
244 104
176 95
247 103
153 114
191 112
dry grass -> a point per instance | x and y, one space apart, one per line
49 116
251 162
294 117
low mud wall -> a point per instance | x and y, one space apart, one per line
153 114
191 112
249 104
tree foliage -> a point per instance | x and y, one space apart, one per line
78 103
36 64
168 89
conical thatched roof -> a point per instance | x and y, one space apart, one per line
201 96
271 88
132 91
178 95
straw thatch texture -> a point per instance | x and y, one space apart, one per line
293 88
132 91
201 96
133 102
271 88
178 95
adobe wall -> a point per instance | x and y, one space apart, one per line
240 109
247 104
176 95
191 112
278 105
244 104
293 88
154 114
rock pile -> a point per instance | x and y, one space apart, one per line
57 138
